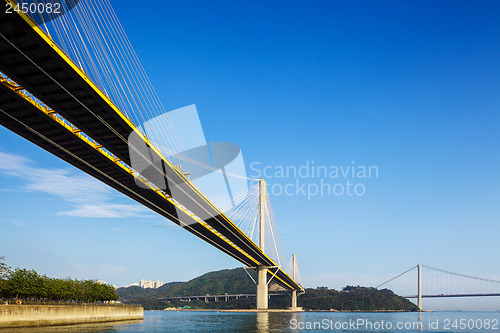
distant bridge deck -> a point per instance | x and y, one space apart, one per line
215 297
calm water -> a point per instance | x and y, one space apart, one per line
163 321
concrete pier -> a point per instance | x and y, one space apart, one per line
52 315
262 289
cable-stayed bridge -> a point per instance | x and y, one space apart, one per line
73 85
436 282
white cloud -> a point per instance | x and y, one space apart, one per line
88 196
14 222
8 190
109 210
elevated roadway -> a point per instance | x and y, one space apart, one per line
47 99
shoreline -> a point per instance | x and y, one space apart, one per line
286 310
235 310
58 315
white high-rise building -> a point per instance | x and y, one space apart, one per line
150 284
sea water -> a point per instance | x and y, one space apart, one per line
213 321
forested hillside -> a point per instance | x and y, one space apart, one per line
236 281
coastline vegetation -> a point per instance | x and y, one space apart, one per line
28 284
356 298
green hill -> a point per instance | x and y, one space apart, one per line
231 281
354 299
236 281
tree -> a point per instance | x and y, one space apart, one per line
349 288
29 284
25 283
4 271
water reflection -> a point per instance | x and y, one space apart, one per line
262 322
277 321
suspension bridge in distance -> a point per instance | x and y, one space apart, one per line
448 282
48 99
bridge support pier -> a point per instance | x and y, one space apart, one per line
294 299
262 290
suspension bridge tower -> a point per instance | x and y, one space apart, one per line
294 273
419 291
262 290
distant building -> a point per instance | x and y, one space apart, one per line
150 284
131 285
104 282
146 284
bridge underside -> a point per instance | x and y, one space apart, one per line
34 62
28 121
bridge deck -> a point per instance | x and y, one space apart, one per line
35 124
169 298
33 60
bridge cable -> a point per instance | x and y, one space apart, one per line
461 275
396 277
70 36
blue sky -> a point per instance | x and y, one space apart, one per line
409 87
